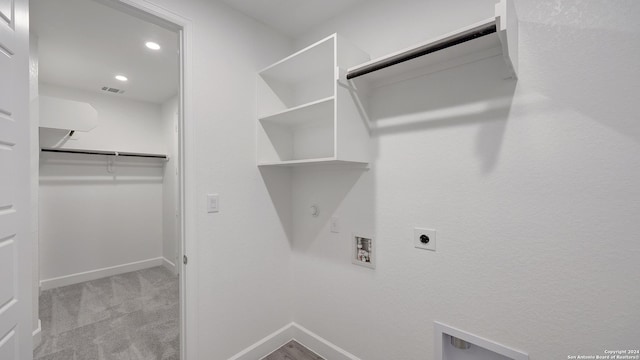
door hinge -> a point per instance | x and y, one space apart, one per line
185 259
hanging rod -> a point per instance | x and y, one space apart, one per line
102 152
459 38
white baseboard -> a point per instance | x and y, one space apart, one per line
293 331
37 335
169 265
266 345
99 273
320 345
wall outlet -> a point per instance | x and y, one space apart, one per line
424 239
213 203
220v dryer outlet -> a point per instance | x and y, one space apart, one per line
424 239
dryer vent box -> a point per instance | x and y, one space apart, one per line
455 344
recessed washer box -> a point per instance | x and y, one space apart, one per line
478 348
363 250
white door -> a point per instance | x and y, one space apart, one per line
15 244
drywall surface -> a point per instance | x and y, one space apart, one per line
92 219
531 186
92 216
123 125
170 209
242 259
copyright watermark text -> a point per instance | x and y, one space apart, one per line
628 354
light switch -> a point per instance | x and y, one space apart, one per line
213 203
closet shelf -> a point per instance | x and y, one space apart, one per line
490 37
302 113
104 152
63 114
317 161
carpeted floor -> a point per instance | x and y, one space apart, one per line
132 316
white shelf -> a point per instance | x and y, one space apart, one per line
304 113
318 161
315 58
501 42
304 117
299 79
63 114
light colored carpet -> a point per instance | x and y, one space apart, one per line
133 316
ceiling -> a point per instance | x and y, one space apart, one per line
291 17
83 44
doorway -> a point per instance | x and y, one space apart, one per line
109 91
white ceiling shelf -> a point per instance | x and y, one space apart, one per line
305 113
63 114
490 37
314 59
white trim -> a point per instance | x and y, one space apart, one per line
320 345
169 265
99 273
314 342
442 330
37 334
266 345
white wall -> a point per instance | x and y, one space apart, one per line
532 187
91 218
243 254
169 119
123 125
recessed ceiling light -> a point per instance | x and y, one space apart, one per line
121 78
151 45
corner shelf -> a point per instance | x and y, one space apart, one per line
494 36
304 116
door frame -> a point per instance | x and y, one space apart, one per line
162 16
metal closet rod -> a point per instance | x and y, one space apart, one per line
101 152
424 50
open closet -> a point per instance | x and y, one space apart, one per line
105 94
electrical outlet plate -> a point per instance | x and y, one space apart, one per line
417 242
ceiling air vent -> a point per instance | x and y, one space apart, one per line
112 90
